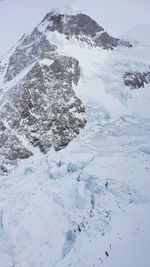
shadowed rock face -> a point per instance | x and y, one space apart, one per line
83 28
80 24
136 80
31 49
44 109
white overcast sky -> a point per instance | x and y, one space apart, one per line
116 16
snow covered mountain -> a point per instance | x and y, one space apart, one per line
39 104
74 147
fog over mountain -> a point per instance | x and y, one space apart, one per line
140 32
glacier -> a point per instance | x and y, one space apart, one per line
87 204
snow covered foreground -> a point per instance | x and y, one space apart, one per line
87 205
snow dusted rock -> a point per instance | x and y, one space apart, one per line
11 149
44 108
30 49
82 27
136 80
1 68
67 10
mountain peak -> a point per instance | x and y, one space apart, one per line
38 80
66 10
72 23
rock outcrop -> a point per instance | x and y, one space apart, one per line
30 49
43 109
136 80
83 28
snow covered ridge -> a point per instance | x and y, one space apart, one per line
67 10
39 107
37 92
41 44
81 27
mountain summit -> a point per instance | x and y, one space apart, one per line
38 101
66 10
74 24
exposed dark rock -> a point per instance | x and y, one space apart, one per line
136 80
35 46
84 29
43 108
31 48
106 253
70 25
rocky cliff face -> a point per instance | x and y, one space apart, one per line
136 80
30 49
39 107
83 28
43 108
36 46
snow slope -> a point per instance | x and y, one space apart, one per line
88 204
